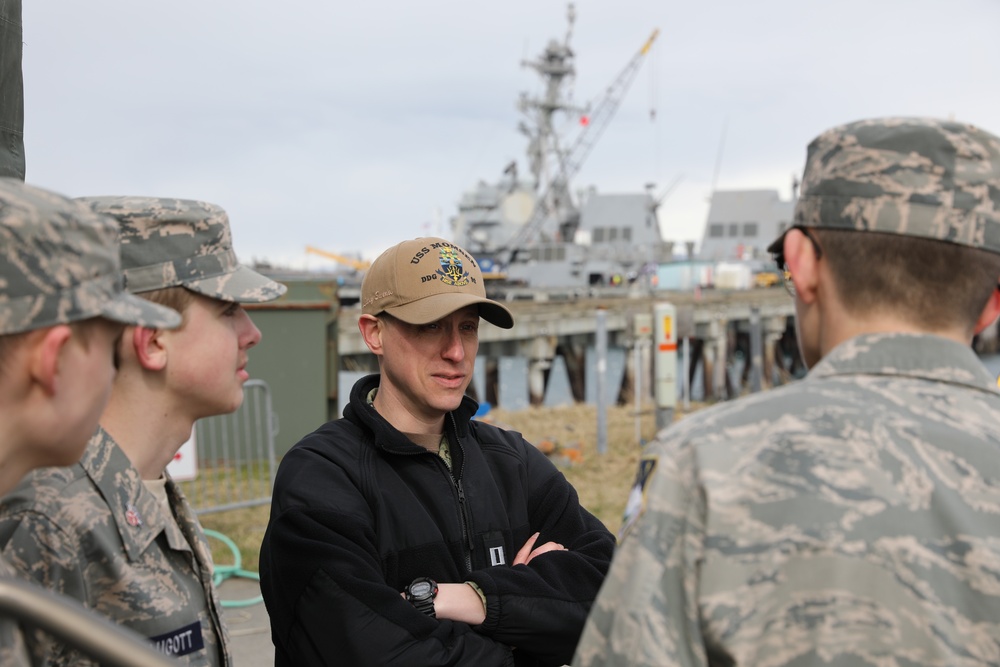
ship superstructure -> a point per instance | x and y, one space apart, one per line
742 223
532 227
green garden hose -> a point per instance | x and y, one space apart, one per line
223 572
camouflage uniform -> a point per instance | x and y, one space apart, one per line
852 518
59 263
93 531
182 242
13 650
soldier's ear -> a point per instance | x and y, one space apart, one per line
147 344
46 347
371 331
990 311
803 264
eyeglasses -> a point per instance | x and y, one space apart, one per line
779 258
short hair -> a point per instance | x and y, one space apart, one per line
10 343
178 298
932 283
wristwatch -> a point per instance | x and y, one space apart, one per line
421 593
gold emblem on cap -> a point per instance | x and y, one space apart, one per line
451 268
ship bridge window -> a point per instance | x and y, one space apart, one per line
612 234
716 230
554 254
598 234
734 229
750 229
627 234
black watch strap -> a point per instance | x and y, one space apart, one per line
421 593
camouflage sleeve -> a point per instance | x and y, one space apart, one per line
13 652
13 649
42 550
647 610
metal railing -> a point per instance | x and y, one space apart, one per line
236 460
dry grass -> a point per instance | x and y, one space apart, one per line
245 527
602 481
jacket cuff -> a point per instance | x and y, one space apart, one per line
486 588
479 591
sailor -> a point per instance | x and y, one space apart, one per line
114 531
407 533
850 518
62 309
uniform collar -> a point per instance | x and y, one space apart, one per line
387 437
138 515
922 356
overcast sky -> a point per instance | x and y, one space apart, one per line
352 126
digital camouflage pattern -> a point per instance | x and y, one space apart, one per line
850 519
181 242
914 176
13 649
59 263
94 532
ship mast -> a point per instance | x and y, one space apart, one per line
546 157
493 221
552 164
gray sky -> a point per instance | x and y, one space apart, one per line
352 126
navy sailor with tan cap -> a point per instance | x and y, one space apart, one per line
851 518
406 533
115 531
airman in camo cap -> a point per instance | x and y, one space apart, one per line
850 517
117 516
911 176
181 242
60 264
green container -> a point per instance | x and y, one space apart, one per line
297 356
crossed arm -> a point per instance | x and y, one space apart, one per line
462 602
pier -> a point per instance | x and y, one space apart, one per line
737 341
548 356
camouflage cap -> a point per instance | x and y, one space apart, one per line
180 242
912 176
425 279
60 264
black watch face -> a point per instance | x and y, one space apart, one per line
420 589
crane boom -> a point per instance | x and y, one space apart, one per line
356 264
605 111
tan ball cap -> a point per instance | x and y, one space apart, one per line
423 280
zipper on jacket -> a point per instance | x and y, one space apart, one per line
463 506
466 524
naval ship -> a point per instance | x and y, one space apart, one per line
530 228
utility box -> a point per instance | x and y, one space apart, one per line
665 355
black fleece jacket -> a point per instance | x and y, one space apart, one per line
359 511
